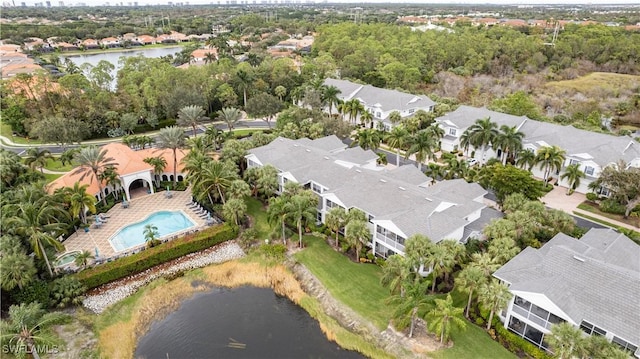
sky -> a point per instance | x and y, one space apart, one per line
461 2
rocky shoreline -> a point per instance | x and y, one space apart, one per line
101 298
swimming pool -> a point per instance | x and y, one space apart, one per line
167 222
66 258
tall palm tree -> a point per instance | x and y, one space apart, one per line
439 260
395 274
214 136
172 138
494 296
485 262
244 79
230 115
91 162
28 330
395 117
38 222
158 163
444 316
335 219
367 138
357 235
238 189
302 209
573 174
216 177
330 97
481 134
365 118
409 306
234 209
79 201
191 116
397 138
277 213
355 108
421 144
567 341
281 92
526 159
469 280
435 171
550 158
436 131
509 140
37 158
110 177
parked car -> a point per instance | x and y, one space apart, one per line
472 162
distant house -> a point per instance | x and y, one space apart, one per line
146 39
398 202
132 171
110 42
65 46
199 56
381 102
592 151
90 44
592 283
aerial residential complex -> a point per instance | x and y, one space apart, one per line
398 202
592 283
591 150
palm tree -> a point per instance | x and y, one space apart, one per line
158 164
92 161
485 262
239 189
469 280
509 140
567 341
435 171
330 97
245 79
209 57
494 296
230 115
110 177
38 222
191 116
355 108
526 159
28 329
365 118
37 158
172 138
82 258
410 305
67 156
277 213
357 235
422 145
335 219
281 92
481 134
16 270
550 158
397 138
216 177
395 117
234 209
439 260
395 274
79 201
302 208
444 316
573 174
367 138
150 233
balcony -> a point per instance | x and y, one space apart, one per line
390 242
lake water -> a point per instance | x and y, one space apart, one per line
245 322
114 56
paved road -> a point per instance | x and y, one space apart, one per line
20 149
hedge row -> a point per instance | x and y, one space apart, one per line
515 343
136 263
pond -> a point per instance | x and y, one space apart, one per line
114 57
245 322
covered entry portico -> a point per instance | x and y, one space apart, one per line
134 181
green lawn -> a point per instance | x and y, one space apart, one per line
259 216
5 130
50 177
354 284
593 208
245 132
55 165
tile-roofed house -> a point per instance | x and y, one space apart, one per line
592 151
89 44
110 42
398 202
131 169
146 39
202 56
592 283
381 102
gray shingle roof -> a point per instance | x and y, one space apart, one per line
589 280
465 116
388 100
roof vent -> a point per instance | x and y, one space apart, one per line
308 150
578 258
383 180
296 145
402 188
428 199
326 158
359 171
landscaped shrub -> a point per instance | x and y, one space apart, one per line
146 259
179 186
36 291
66 291
592 196
517 344
611 206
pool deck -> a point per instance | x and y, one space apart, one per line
139 208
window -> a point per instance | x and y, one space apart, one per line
591 329
573 162
452 131
589 170
624 344
412 110
316 188
378 114
370 219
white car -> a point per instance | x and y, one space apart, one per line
472 162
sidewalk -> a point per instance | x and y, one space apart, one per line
558 199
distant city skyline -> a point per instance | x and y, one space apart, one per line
57 3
